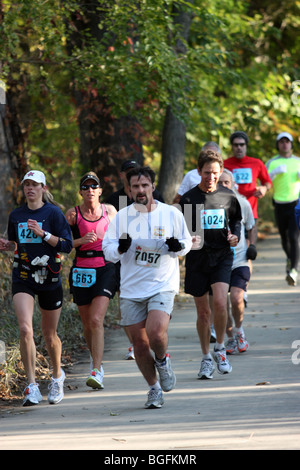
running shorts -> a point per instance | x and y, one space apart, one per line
48 299
105 285
240 277
198 282
136 310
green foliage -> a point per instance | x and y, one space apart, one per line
235 71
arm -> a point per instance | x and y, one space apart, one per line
7 245
235 222
58 224
110 243
181 241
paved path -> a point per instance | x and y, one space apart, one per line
257 406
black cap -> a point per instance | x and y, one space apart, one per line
129 164
89 176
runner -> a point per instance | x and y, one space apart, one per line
38 232
247 171
240 275
284 171
210 266
92 278
147 237
120 199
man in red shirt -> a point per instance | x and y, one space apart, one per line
247 170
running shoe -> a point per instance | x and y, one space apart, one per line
130 355
95 380
231 346
223 365
32 395
155 399
167 377
56 389
213 336
242 343
206 369
291 277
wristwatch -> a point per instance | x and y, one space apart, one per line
45 235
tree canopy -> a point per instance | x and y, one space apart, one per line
234 67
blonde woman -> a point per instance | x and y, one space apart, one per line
38 232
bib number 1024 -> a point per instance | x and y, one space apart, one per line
212 218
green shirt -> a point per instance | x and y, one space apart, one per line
285 176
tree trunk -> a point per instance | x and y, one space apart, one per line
173 149
12 160
173 138
105 140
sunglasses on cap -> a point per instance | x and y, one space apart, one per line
85 187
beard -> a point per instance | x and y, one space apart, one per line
144 201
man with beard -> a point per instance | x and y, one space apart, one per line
147 237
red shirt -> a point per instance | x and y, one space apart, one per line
246 172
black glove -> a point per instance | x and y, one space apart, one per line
124 242
174 244
251 252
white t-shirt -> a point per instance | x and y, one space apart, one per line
147 267
190 180
248 223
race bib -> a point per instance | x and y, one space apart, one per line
83 277
212 218
147 258
242 175
26 235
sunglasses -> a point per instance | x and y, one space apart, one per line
85 187
239 145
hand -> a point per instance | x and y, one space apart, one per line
4 244
260 191
34 226
124 243
89 237
196 242
174 244
232 239
251 252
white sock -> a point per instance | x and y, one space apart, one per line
156 386
219 346
207 356
239 330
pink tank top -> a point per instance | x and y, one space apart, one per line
99 226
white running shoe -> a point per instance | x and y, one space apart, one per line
95 380
32 395
130 355
242 343
291 277
167 377
231 346
155 399
206 369
223 366
56 389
